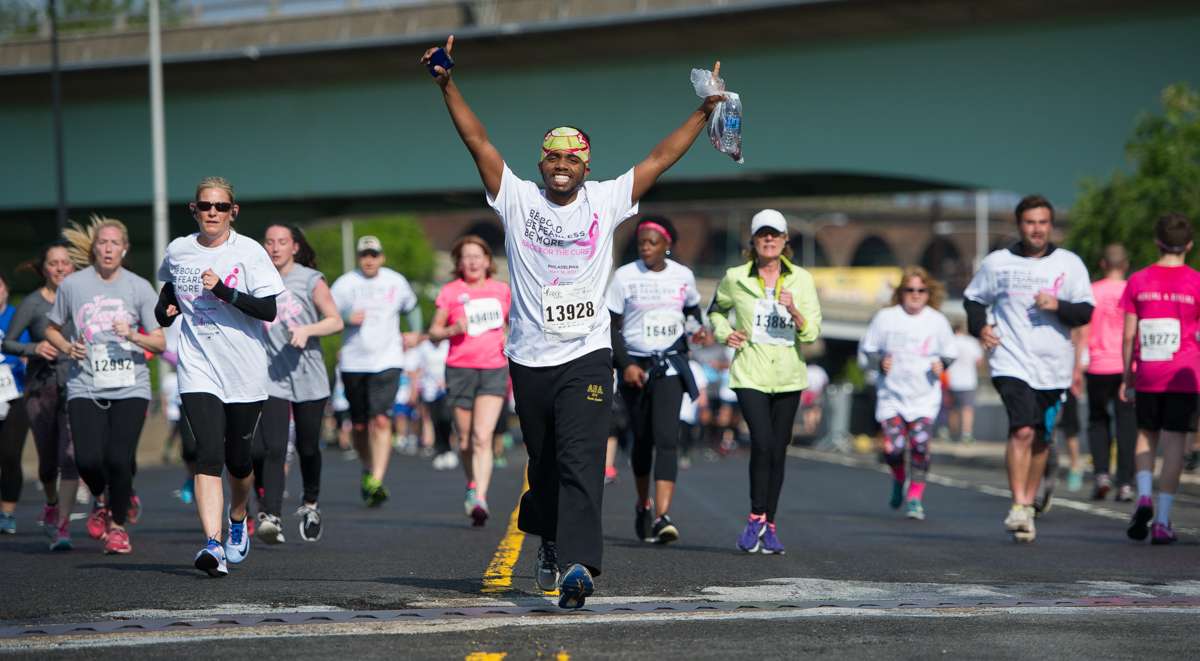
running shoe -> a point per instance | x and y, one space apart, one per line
1044 501
664 531
211 559
1027 532
49 521
365 486
270 528
1139 524
576 586
237 544
897 498
97 522
685 463
116 542
310 523
479 513
770 542
610 474
135 510
546 571
1015 519
915 510
62 538
1162 534
1124 494
1103 486
377 494
751 538
1074 480
968 439
643 523
187 492
8 524
469 501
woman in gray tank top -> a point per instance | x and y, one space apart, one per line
298 386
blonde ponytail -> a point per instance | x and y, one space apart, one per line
81 239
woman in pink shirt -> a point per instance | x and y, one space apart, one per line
472 312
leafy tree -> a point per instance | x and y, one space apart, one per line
1164 154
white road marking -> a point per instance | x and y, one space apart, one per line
212 612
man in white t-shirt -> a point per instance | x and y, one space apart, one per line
559 247
1037 292
370 300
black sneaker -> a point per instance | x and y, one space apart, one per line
310 523
665 531
576 587
643 521
546 571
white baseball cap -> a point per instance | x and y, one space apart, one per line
369 243
768 218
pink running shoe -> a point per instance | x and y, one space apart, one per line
610 474
135 510
1162 534
49 520
62 538
97 523
117 542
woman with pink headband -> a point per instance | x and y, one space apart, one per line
559 247
653 302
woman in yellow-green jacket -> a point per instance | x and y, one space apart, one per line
774 310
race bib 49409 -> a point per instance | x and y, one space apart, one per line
568 311
483 315
111 365
1158 339
772 324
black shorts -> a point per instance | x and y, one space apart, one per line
1028 407
1069 422
1166 411
370 393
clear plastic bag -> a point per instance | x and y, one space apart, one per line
725 123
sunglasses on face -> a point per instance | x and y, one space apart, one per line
914 290
223 207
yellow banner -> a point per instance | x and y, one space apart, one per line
870 286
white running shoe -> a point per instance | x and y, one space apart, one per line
269 529
237 543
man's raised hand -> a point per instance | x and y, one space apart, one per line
441 76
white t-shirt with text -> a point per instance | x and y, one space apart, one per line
652 304
964 371
375 345
910 389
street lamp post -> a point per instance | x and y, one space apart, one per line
56 110
157 138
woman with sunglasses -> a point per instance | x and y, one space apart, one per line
45 393
108 387
653 303
299 385
776 312
223 285
910 344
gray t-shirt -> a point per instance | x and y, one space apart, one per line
31 316
297 375
114 368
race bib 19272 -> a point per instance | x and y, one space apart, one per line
568 311
111 365
772 324
483 315
1158 339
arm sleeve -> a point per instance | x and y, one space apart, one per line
810 309
259 307
718 310
20 324
1074 314
694 312
620 351
166 296
976 316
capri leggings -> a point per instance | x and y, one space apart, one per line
47 409
654 419
224 433
13 430
270 448
899 434
770 417
106 434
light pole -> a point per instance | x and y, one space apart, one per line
157 138
56 110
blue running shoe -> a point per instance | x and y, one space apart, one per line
576 586
237 544
211 559
897 494
770 543
8 524
751 539
187 492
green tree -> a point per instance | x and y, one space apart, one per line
1164 176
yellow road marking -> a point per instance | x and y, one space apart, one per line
485 656
498 576
562 656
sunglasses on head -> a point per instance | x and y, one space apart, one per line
915 290
222 207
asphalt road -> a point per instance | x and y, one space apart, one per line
858 578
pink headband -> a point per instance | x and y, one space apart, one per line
651 225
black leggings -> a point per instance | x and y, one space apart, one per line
442 419
224 433
1102 389
654 419
770 417
13 430
270 448
106 432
